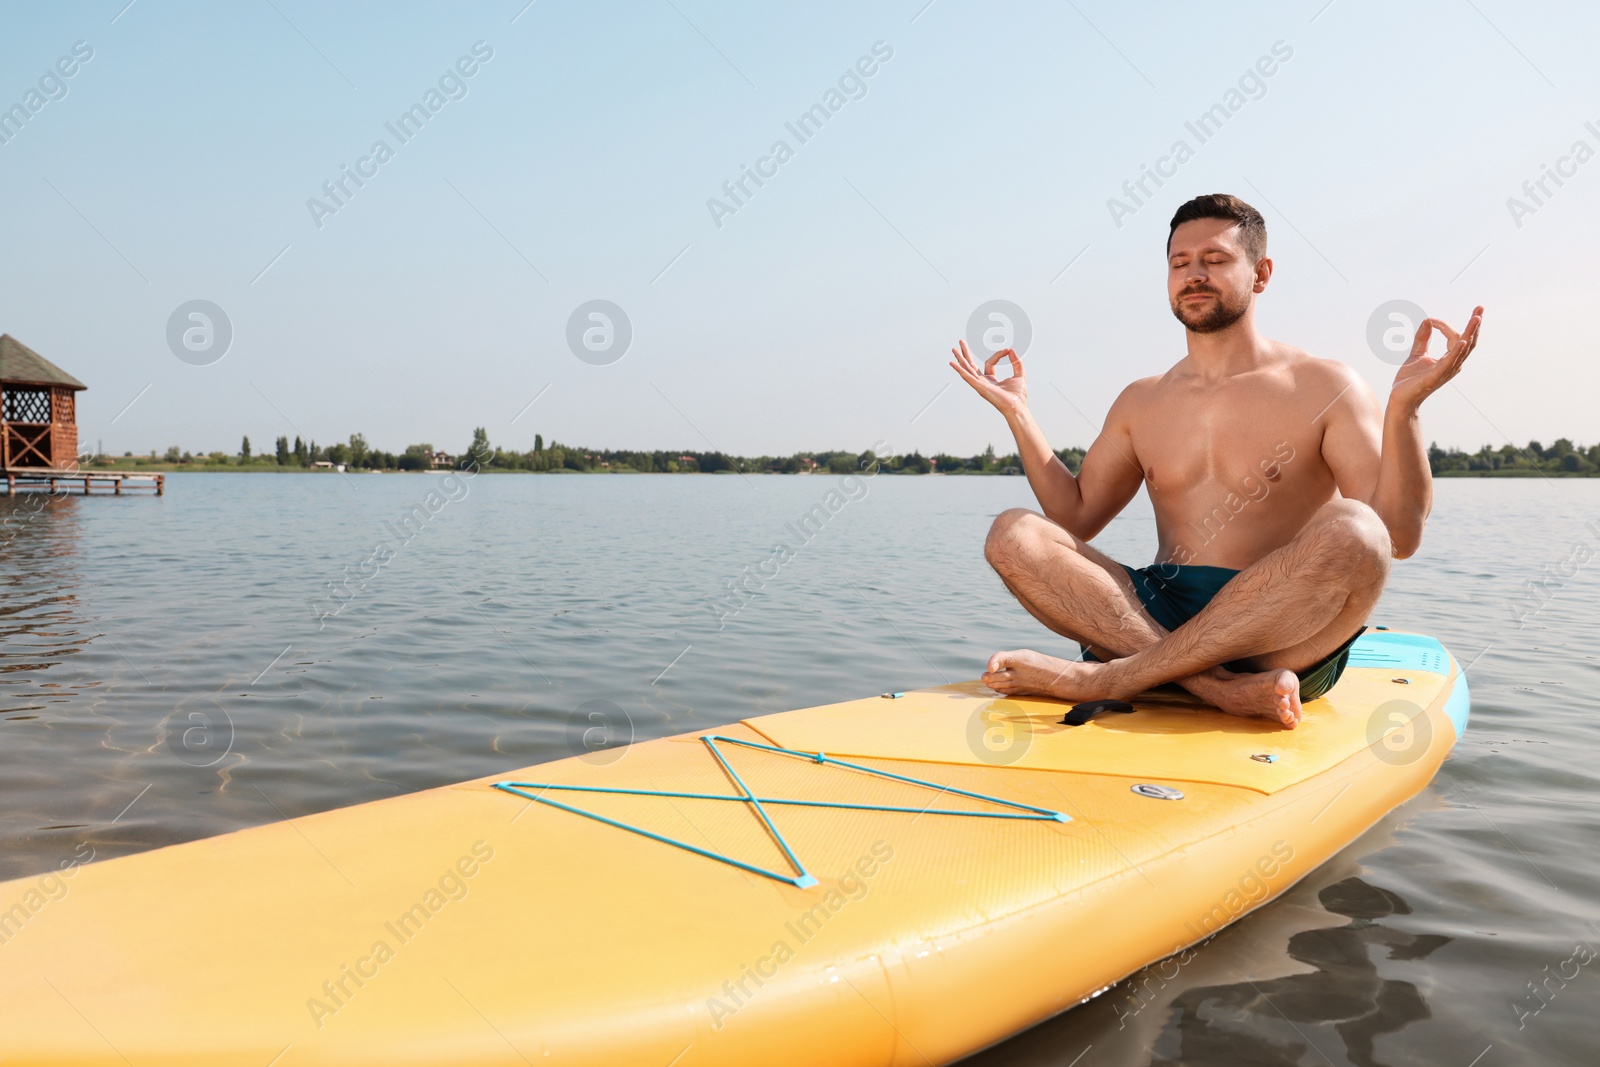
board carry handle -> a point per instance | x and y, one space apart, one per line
1082 713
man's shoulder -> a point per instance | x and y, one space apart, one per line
1141 390
1308 368
1332 387
1135 401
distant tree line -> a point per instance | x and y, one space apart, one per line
555 456
1563 457
302 453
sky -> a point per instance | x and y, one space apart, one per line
584 157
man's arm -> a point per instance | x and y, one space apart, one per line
1396 481
1404 493
1105 483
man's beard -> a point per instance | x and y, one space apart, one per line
1217 315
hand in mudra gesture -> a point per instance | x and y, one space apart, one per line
1421 374
1009 395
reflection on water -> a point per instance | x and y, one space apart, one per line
41 616
170 670
1243 1022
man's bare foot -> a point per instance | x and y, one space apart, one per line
1024 672
1268 695
1271 694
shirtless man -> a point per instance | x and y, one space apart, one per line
1281 492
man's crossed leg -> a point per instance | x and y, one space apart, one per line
1283 613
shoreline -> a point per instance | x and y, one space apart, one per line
206 468
201 468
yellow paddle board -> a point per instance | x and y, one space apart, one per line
883 881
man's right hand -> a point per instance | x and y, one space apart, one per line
1008 395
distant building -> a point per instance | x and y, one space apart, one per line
38 410
443 459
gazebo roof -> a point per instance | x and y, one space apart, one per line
24 366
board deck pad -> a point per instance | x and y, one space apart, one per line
1176 740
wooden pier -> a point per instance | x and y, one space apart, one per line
49 480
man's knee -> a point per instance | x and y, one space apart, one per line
1009 537
1350 538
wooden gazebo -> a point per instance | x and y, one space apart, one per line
39 428
38 410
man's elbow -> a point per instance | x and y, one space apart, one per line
1404 547
1404 529
1073 524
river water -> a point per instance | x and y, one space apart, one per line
298 633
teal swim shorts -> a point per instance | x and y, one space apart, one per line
1173 595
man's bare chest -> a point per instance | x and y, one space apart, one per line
1185 441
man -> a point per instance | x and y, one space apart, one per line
1281 492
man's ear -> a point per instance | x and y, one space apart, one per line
1263 274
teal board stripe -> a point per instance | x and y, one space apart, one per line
1459 706
1416 652
1403 652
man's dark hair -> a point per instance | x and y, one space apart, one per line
1252 227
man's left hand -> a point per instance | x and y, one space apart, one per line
1421 375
